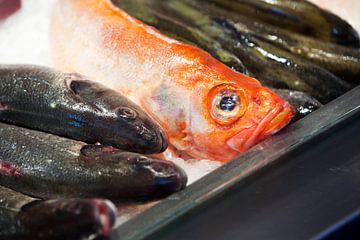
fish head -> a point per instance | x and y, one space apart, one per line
133 175
120 122
229 117
137 131
133 129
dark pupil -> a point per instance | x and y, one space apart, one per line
227 104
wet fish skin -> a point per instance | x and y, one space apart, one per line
301 74
296 16
342 61
10 204
303 103
23 217
69 105
47 166
273 66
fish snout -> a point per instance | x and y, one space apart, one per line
169 177
148 136
166 176
136 132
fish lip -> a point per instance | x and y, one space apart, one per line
264 128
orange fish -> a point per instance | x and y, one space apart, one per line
207 109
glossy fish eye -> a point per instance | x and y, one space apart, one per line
226 104
126 113
229 103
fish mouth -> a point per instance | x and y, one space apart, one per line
275 119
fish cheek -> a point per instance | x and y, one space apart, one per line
173 104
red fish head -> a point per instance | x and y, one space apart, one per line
234 116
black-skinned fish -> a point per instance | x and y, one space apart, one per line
71 106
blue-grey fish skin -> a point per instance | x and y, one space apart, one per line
23 217
69 105
46 166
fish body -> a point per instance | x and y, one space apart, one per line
23 217
207 109
46 166
70 105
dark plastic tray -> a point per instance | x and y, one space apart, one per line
257 158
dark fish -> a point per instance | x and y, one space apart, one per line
342 61
298 16
302 102
23 217
68 105
299 74
271 65
47 166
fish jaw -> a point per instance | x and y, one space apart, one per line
273 122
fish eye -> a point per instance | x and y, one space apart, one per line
226 104
229 103
126 113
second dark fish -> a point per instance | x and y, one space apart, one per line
47 166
